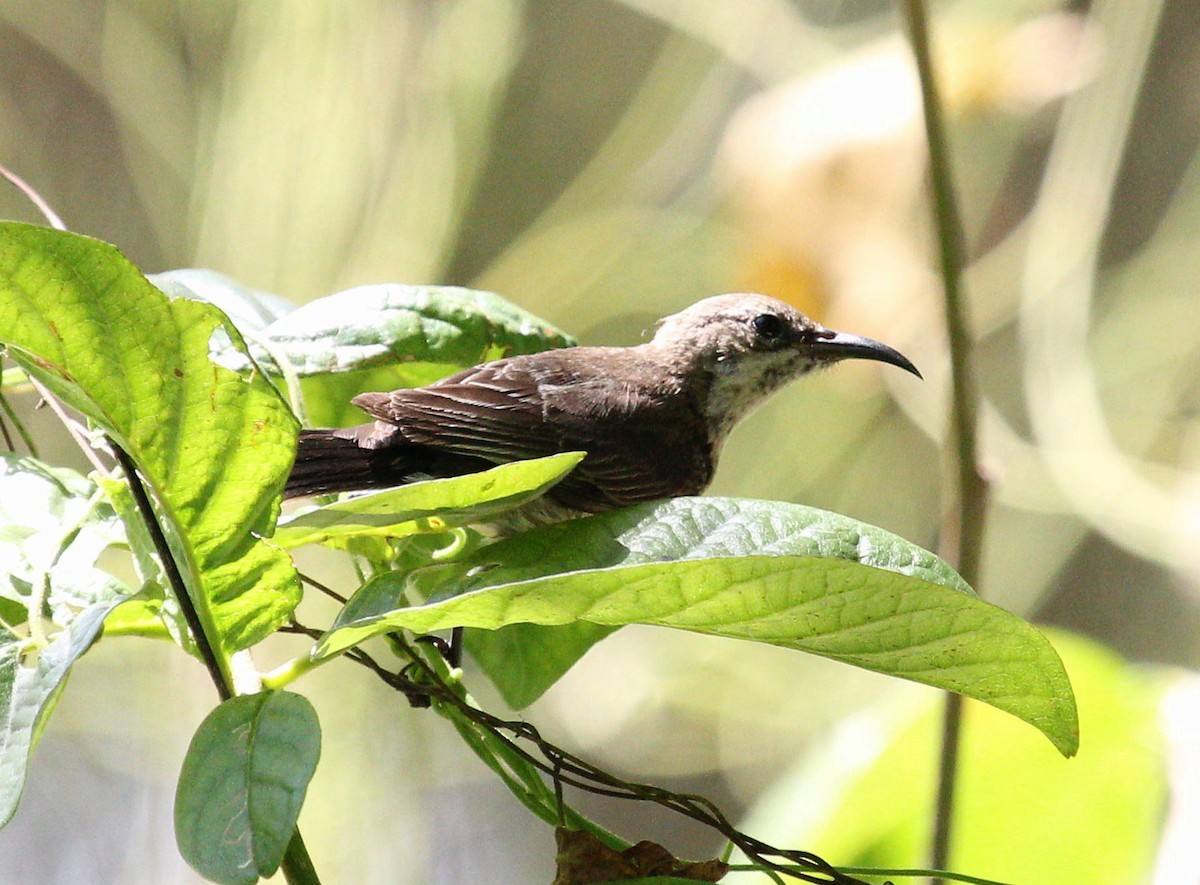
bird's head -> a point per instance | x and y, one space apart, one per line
738 349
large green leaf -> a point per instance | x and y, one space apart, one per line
214 443
53 600
243 781
433 505
525 659
777 573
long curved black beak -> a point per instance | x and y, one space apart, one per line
830 346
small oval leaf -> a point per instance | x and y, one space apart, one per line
242 785
386 336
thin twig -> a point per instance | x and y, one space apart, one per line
567 769
72 427
34 197
8 440
908 872
55 222
963 526
22 431
328 591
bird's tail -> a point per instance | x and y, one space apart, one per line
332 461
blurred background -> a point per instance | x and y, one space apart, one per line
606 162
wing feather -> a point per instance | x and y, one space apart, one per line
640 447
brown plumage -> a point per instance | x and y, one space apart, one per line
652 418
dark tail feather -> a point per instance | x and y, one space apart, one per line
331 461
354 459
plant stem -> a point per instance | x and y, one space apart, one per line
297 866
289 671
963 525
891 872
71 426
34 197
220 675
11 415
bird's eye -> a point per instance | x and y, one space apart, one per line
768 326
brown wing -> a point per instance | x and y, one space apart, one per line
642 443
494 411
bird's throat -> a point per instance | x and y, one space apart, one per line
737 388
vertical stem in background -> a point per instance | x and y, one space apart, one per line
962 529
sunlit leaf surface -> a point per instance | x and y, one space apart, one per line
214 444
433 505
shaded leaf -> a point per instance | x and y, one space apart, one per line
243 783
777 573
386 336
388 324
459 500
523 660
214 444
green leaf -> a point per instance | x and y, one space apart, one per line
770 572
327 396
523 660
388 324
140 617
214 443
53 600
459 500
243 781
387 336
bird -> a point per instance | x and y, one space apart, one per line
652 418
